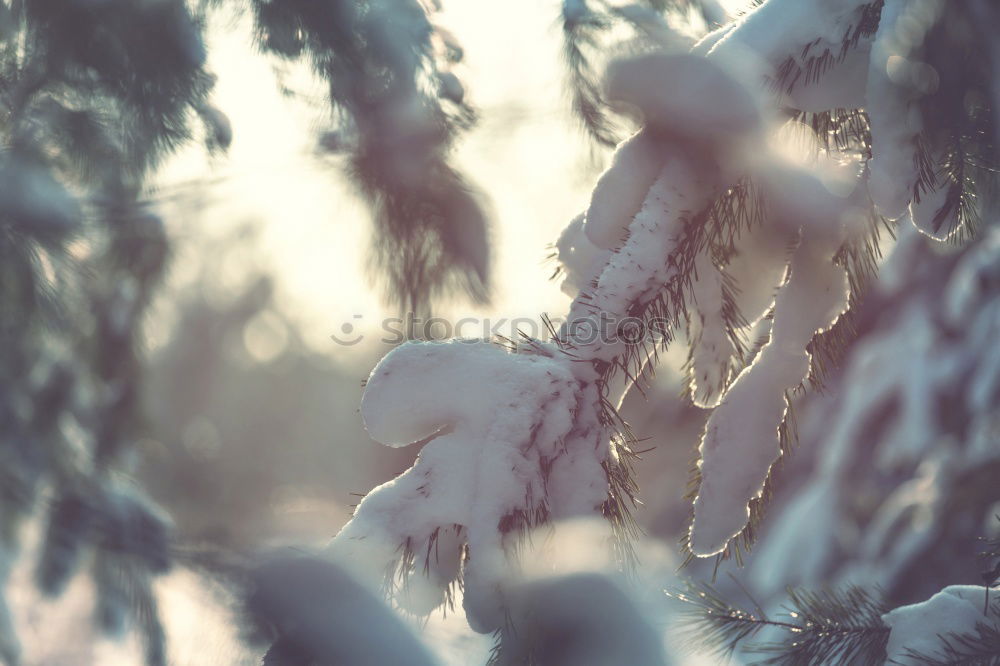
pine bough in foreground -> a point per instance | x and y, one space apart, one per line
697 226
958 625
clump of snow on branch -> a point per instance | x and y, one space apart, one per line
504 453
856 54
585 618
891 102
745 426
789 34
622 189
317 613
572 599
637 271
659 180
918 631
714 110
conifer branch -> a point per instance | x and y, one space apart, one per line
821 627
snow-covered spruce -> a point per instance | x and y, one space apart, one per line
514 439
638 213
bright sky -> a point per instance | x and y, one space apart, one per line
525 153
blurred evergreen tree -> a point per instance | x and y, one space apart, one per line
95 95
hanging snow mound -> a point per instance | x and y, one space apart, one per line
741 437
896 81
684 96
581 618
622 188
683 99
420 388
506 433
917 631
322 614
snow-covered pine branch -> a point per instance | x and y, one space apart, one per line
958 625
744 426
694 198
922 430
512 441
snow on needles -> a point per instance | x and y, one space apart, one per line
744 427
890 98
501 459
917 632
712 348
636 272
